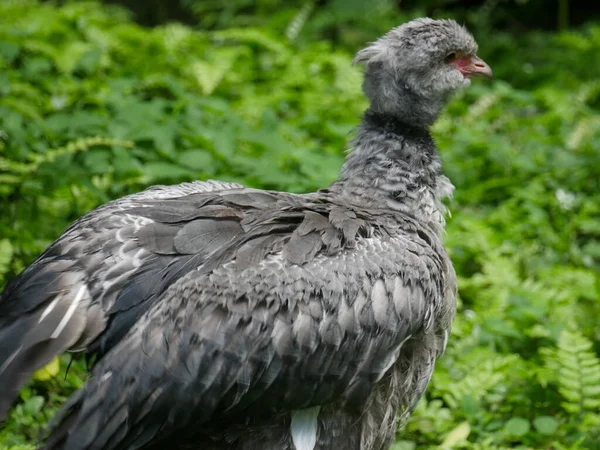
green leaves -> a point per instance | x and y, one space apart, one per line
456 436
579 373
545 425
6 254
197 159
517 427
210 73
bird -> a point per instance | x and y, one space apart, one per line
221 316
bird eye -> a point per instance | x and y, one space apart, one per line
450 57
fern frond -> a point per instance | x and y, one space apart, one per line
478 381
297 23
78 145
579 373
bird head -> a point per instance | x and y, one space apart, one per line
411 71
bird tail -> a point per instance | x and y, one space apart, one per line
42 314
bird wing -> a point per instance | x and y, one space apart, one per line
88 288
308 305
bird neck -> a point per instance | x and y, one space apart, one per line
396 166
403 100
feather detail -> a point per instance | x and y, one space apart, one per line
304 428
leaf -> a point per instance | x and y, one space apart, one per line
164 140
34 405
98 161
67 58
196 159
9 50
10 179
49 371
470 406
517 427
6 254
579 372
123 161
403 445
210 73
163 170
457 435
545 425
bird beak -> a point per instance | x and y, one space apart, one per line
476 67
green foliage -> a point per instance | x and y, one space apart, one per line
38 402
6 253
93 107
346 22
575 369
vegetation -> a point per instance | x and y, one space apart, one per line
93 107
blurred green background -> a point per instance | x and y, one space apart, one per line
98 101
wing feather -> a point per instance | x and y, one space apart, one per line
123 256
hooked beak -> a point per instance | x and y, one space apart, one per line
476 67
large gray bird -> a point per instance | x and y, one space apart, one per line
224 317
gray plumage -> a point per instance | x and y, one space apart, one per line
224 317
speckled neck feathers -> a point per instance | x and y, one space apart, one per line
395 165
